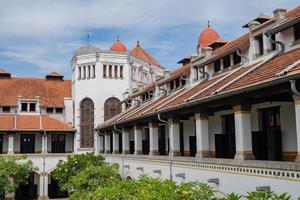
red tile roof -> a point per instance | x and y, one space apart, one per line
207 37
10 122
51 93
262 72
118 46
139 52
294 13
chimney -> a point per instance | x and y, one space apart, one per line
207 51
280 14
253 24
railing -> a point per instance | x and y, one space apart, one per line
271 169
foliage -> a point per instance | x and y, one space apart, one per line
67 170
232 196
257 196
14 170
88 177
92 178
146 188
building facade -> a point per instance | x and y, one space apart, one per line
49 118
229 116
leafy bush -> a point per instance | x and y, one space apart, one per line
14 170
146 188
257 196
88 177
67 170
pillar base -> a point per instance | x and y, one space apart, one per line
174 153
138 152
153 153
126 152
297 159
244 155
202 154
43 198
116 152
10 152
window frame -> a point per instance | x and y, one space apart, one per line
217 66
297 31
6 109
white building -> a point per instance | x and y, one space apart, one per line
229 116
51 118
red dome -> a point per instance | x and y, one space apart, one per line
208 36
118 46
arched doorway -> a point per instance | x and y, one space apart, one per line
29 190
54 191
112 107
87 123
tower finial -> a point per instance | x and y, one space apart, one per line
138 43
88 39
208 23
118 38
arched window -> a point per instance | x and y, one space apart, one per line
112 107
87 123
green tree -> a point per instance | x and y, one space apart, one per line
66 170
83 174
14 170
146 188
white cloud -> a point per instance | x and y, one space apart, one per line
45 33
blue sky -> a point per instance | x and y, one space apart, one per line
40 36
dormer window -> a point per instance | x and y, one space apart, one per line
24 107
6 109
49 110
297 31
236 58
32 107
217 66
260 44
28 107
58 110
226 61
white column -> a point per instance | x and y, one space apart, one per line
115 142
174 138
222 64
243 133
107 143
231 60
44 143
10 144
153 136
97 143
10 196
125 141
202 135
138 140
43 186
297 120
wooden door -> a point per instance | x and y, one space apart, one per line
271 125
27 143
58 143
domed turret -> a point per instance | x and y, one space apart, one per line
207 37
87 49
118 46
